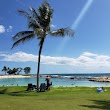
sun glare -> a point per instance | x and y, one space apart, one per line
76 22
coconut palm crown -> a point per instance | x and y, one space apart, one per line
39 24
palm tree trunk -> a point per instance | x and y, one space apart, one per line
38 69
5 72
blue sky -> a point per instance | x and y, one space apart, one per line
87 52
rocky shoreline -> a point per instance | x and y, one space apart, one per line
95 79
101 79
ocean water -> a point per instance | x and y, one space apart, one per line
65 81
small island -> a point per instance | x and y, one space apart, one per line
15 72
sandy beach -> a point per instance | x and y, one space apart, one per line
14 76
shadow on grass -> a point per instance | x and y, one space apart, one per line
3 91
23 93
99 104
18 93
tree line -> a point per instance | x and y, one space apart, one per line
16 71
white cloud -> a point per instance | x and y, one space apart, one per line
53 26
89 54
2 29
9 29
19 57
84 60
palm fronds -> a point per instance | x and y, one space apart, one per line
30 17
45 12
22 37
62 32
34 13
21 34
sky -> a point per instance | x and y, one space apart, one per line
87 52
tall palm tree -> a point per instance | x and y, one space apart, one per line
39 24
5 69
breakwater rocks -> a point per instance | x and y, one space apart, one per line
101 79
67 77
95 79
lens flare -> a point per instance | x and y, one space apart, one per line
76 22
81 14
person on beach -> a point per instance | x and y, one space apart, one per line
48 82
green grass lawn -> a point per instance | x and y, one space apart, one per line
58 98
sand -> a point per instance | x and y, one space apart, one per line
14 76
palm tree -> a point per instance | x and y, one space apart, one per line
19 70
5 69
27 70
12 71
39 24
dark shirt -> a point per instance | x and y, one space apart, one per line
48 80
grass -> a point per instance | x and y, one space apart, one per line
58 98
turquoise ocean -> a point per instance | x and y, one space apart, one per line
81 80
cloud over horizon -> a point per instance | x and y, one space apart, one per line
86 60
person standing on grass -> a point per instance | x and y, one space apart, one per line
48 82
